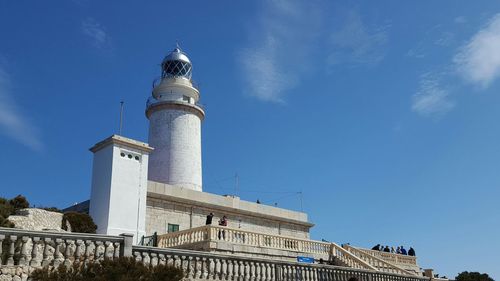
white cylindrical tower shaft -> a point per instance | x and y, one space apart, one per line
175 118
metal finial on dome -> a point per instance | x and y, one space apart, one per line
176 64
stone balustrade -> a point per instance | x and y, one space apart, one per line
237 236
213 266
392 257
377 262
41 248
28 250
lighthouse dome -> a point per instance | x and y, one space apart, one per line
176 64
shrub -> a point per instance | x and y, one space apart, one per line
19 202
6 210
473 276
122 269
52 209
79 222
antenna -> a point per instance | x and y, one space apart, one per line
301 201
237 184
121 118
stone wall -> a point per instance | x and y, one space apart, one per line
186 208
160 213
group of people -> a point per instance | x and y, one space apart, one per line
222 221
399 250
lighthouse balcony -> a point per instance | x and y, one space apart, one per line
184 103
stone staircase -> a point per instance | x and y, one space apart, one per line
380 261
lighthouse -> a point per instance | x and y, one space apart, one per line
175 118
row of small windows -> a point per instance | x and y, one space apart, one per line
130 156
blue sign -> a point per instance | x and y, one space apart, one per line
305 259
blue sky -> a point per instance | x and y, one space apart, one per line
384 115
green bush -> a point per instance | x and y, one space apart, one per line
79 222
19 202
473 276
122 269
6 209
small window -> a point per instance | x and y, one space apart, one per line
122 154
137 158
172 228
130 156
186 99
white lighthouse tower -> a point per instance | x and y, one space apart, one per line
175 125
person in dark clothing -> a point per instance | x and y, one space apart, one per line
411 252
387 249
403 251
209 219
376 247
222 233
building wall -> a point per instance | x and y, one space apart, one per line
119 186
161 212
175 136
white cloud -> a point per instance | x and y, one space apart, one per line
431 99
357 43
12 122
96 33
282 39
478 61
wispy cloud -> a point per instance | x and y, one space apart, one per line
438 35
282 38
12 122
96 33
355 42
431 100
478 61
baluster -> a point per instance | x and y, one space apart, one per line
146 259
108 252
161 259
46 252
12 248
67 252
211 268
153 259
88 255
78 251
34 252
116 253
234 270
177 262
251 270
184 263
230 269
191 267
2 238
205 268
137 256
23 260
217 269
58 256
99 252
241 270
